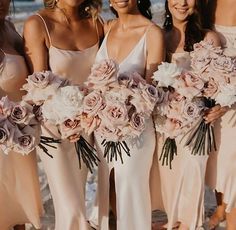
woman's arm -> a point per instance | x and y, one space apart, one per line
36 44
155 50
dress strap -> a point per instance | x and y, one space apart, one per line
46 28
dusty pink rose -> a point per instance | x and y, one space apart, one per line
90 124
191 111
93 103
200 60
19 114
109 133
103 73
211 88
115 114
70 127
223 65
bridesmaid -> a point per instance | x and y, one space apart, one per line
222 18
182 187
20 199
64 38
136 44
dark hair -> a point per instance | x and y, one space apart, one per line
143 7
210 14
194 29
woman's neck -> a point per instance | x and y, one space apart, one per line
71 13
126 21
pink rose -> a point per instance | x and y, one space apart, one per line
223 64
90 124
200 60
70 127
93 103
103 73
115 114
191 111
137 122
109 133
211 88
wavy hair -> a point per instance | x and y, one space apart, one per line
144 7
87 9
194 31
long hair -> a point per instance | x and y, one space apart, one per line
144 7
194 31
87 9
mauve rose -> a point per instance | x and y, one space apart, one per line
223 64
40 79
211 88
137 122
191 111
136 80
200 60
4 135
25 144
150 96
124 79
18 114
103 73
93 103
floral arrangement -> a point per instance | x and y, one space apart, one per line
117 106
19 128
61 106
210 81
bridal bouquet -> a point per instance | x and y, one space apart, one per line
61 106
181 107
117 107
19 128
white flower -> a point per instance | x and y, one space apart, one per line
226 96
65 104
166 74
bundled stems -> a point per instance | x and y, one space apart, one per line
87 153
113 150
169 150
47 142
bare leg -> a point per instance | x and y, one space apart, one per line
231 220
19 227
219 215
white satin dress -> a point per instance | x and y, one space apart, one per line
221 171
20 200
66 180
133 203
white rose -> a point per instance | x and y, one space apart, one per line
227 95
166 74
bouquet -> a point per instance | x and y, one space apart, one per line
218 72
117 107
182 107
60 105
19 128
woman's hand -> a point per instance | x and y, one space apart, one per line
212 114
74 138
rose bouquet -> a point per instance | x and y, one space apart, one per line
60 105
117 107
19 128
182 107
218 72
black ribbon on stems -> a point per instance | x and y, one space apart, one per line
48 142
202 139
169 151
113 150
87 153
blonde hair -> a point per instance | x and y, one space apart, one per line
87 9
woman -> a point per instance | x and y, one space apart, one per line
183 186
20 199
222 170
64 38
136 44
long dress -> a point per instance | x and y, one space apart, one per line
221 171
66 180
20 200
182 187
133 204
